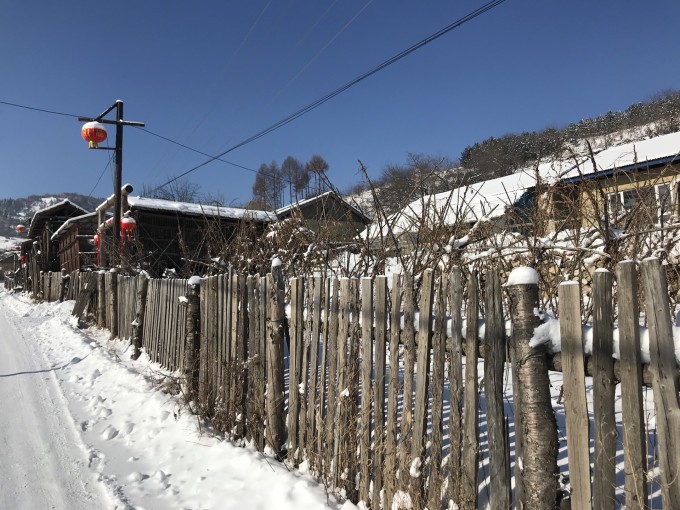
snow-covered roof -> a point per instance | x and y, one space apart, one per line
664 148
485 199
76 219
489 199
235 213
47 211
282 211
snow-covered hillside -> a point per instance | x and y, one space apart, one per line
20 211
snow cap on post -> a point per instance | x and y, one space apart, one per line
195 280
522 276
276 261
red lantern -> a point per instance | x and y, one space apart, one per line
95 239
94 133
23 259
20 229
127 225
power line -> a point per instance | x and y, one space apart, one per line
315 104
217 158
39 109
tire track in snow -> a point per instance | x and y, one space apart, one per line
44 462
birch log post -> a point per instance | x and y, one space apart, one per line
536 417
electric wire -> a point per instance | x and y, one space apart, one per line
39 109
297 114
101 174
315 104
324 48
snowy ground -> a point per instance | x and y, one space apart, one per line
84 427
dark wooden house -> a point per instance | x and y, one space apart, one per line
75 242
44 224
327 215
173 235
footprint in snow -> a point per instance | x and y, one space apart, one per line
95 374
109 433
84 426
136 476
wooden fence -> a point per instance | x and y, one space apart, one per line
335 372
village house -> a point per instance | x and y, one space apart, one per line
179 236
75 242
44 254
634 185
327 215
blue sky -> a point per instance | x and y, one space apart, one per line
209 74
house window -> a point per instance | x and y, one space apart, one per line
664 199
659 197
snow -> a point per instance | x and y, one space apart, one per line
95 430
522 276
487 200
195 280
549 333
660 147
276 262
157 204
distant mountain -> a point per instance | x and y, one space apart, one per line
20 211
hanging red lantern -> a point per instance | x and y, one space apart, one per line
94 133
20 229
127 226
95 239
23 259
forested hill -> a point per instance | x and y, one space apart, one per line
495 157
15 211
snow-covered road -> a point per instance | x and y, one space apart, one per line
44 464
83 426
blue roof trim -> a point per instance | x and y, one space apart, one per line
645 165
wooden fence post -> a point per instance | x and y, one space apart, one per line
114 303
494 366
419 436
574 385
434 484
455 385
390 472
366 369
294 364
538 460
664 370
275 383
138 324
634 440
101 299
65 278
470 452
379 387
604 386
408 338
193 338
